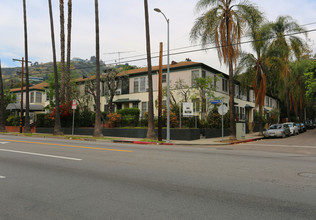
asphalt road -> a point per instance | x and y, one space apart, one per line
61 179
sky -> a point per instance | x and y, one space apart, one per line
122 29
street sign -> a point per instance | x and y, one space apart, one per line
222 109
216 101
187 109
74 104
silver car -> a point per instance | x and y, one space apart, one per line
293 128
278 130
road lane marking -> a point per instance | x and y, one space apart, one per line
4 142
65 145
2 177
42 155
279 145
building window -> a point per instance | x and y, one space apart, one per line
203 74
142 87
38 98
224 85
194 74
135 104
196 104
136 85
144 107
32 97
164 103
164 78
18 97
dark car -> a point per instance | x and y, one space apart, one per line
304 127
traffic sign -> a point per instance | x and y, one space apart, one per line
216 101
74 104
222 109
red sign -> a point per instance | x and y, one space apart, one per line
74 104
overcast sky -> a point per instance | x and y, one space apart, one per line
122 28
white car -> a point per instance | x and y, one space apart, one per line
293 128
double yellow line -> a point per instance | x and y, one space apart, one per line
65 145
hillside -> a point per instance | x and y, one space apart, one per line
79 67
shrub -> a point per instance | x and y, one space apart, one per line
14 120
86 118
115 119
44 120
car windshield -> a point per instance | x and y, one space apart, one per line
275 127
290 125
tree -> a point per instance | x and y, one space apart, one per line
151 127
68 90
310 81
283 48
184 90
112 81
27 128
97 125
62 51
257 65
205 88
224 25
57 127
2 123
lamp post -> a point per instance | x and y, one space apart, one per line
168 75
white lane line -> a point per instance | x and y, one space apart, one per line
2 177
42 155
278 145
4 142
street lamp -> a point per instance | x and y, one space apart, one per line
168 75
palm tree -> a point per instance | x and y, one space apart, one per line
57 127
2 124
27 128
257 65
282 48
68 91
223 24
62 51
97 125
151 126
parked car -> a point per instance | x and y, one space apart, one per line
300 127
293 128
304 127
309 124
278 130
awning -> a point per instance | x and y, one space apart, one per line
126 100
17 106
248 106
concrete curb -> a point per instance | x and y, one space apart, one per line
141 142
247 140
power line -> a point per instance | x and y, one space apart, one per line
180 48
216 47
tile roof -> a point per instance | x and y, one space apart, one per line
40 86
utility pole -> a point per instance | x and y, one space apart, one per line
22 82
119 55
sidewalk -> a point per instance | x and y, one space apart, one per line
209 141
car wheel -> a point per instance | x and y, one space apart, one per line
283 135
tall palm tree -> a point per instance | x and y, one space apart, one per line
57 127
2 124
68 90
257 64
151 126
223 24
62 51
97 125
284 48
27 128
